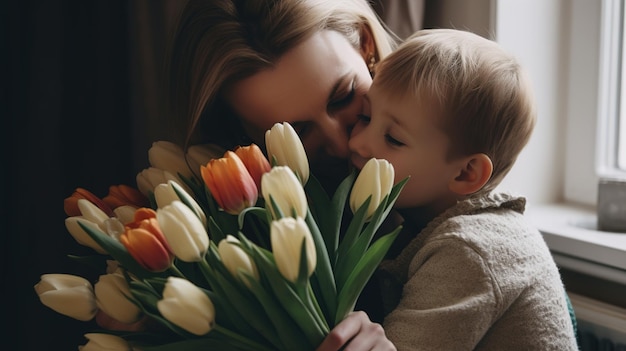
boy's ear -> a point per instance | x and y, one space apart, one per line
474 173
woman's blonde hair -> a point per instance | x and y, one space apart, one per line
484 93
219 42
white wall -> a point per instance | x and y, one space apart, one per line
536 32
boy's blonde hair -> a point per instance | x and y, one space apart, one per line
482 90
219 42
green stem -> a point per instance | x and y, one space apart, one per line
246 342
312 300
206 271
176 271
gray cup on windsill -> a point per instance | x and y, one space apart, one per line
612 205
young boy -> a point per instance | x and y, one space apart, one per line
453 110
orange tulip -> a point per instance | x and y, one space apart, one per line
120 195
145 241
230 183
256 163
70 204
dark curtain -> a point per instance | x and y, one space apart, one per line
79 84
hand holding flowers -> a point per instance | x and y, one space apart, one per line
216 265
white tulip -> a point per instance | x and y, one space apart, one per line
125 213
282 185
283 143
184 231
286 236
165 194
104 342
200 155
170 157
150 177
187 306
375 180
112 296
80 235
67 294
236 259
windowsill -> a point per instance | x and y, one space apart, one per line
571 234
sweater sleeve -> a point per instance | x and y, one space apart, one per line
448 285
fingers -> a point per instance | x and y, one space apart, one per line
355 333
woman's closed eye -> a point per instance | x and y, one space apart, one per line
365 119
343 100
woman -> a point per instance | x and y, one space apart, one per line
238 67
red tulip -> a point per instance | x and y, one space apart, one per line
145 241
120 195
70 204
230 183
256 163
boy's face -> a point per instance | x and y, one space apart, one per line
406 131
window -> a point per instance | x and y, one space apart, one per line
611 162
596 98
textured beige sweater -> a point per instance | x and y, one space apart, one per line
478 277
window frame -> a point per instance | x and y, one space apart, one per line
593 98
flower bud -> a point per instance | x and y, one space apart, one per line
169 157
125 213
112 297
235 258
145 241
230 183
122 195
200 155
166 193
375 180
80 235
284 188
70 204
184 232
283 144
67 294
104 342
150 177
256 163
93 217
286 236
187 306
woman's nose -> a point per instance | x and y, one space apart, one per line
358 144
336 130
337 136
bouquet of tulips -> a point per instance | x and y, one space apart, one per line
224 249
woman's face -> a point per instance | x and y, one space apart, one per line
318 87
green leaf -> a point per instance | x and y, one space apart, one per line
240 300
292 303
349 238
355 250
215 231
94 261
289 335
325 286
362 272
191 345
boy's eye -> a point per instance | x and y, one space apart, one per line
343 100
393 141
